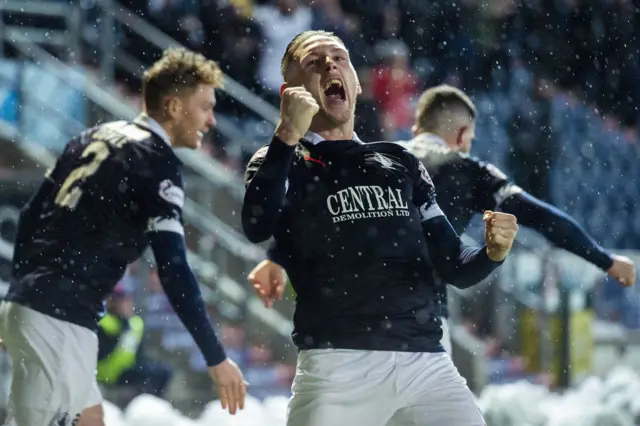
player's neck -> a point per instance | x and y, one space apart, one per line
166 126
443 140
340 133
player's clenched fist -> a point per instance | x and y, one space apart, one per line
297 108
623 270
499 232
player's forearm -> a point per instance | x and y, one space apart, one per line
457 263
182 290
266 191
556 226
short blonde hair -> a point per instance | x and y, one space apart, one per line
291 53
179 69
439 104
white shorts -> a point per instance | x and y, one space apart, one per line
377 388
446 335
54 365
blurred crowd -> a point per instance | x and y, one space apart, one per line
400 46
140 295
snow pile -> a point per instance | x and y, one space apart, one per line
147 410
612 402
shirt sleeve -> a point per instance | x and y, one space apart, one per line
492 186
455 262
162 201
267 186
163 204
424 193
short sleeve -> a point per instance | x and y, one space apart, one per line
424 192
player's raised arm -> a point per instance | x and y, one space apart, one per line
457 263
555 225
563 231
166 237
266 175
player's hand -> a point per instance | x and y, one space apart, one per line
499 233
269 280
232 388
297 108
623 270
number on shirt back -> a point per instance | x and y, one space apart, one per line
68 195
110 134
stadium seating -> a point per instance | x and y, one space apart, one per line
595 176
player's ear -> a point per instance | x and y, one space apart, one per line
283 88
460 136
173 106
414 130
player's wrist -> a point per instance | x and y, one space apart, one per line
496 255
287 134
215 359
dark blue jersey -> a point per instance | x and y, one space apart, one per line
360 234
90 216
467 186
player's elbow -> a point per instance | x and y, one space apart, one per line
466 278
463 283
256 235
255 231
456 277
255 226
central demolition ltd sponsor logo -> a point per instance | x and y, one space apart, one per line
366 202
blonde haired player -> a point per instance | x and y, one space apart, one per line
115 190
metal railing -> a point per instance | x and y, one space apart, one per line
69 40
201 217
110 55
156 37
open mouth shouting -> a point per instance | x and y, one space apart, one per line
334 92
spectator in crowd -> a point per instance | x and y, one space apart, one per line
121 360
179 19
233 337
256 360
368 125
233 38
279 21
267 377
395 89
532 143
329 15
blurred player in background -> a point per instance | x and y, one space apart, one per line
116 189
444 131
360 234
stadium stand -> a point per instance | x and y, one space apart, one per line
555 83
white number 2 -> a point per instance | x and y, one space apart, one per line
67 196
